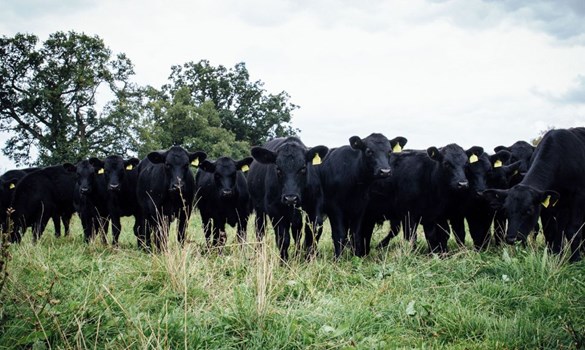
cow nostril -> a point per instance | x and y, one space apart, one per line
114 187
290 199
385 172
463 184
226 193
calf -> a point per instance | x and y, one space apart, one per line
41 195
165 190
223 198
120 177
423 189
555 181
346 175
8 182
90 200
282 180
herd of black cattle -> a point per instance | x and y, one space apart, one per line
355 186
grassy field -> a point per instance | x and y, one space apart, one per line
62 293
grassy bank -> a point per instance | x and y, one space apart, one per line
62 293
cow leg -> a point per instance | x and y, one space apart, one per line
57 225
39 227
207 228
479 229
574 230
282 236
241 229
367 229
182 225
66 218
393 232
260 225
116 228
337 232
297 229
313 230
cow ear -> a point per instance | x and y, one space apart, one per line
9 184
264 156
512 169
549 198
474 153
434 154
196 158
316 154
131 163
207 166
70 167
96 163
356 143
501 148
496 198
398 144
157 157
244 164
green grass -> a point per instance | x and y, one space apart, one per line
62 293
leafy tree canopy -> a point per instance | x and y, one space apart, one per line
48 98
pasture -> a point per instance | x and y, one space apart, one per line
63 293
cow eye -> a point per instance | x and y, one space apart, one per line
369 152
278 172
303 170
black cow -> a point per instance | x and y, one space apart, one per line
520 151
423 190
8 182
90 199
468 205
500 177
120 176
165 190
222 197
346 175
282 180
41 195
554 180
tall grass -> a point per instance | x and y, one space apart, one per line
63 293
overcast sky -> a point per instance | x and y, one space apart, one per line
472 72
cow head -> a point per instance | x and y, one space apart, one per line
86 172
225 171
502 171
520 151
477 169
375 150
115 168
522 205
453 161
290 162
176 161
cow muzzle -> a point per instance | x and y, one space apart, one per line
463 185
114 187
385 172
290 199
226 193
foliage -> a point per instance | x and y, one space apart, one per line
179 121
535 141
244 107
66 294
48 97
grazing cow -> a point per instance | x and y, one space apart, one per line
282 180
555 181
90 199
41 195
500 177
120 185
165 190
223 198
346 175
423 189
520 151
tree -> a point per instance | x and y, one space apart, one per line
178 121
535 141
244 107
48 98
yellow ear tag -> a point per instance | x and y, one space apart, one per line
396 148
498 164
473 158
195 162
12 186
316 159
546 202
245 167
101 171
129 167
